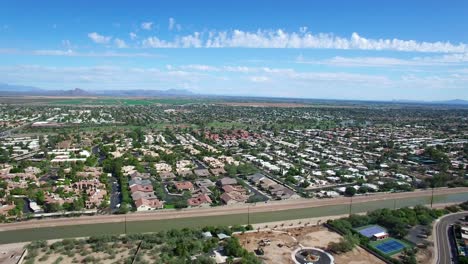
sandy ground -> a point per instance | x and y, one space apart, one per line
305 231
222 210
285 241
11 253
425 255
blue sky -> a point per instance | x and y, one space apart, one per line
379 50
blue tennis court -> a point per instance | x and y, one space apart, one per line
371 230
390 247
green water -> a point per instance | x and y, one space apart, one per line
158 225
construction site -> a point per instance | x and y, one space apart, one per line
298 243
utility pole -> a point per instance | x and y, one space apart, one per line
248 214
432 196
394 204
125 224
351 205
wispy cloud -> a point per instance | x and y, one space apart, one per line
188 41
100 39
259 79
249 81
445 60
173 25
132 35
74 53
303 39
120 43
147 25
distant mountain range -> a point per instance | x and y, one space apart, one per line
455 102
20 90
140 92
444 102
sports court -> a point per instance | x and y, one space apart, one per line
369 231
389 246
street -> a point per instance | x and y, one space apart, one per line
445 248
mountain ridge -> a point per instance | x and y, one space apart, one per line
23 90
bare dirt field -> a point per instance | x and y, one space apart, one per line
10 254
284 242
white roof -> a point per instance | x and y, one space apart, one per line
381 234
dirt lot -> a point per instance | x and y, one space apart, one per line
285 241
11 253
425 255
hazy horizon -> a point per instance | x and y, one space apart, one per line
364 50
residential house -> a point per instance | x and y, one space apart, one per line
227 181
143 204
233 198
200 200
202 172
183 186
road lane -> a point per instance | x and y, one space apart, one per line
445 249
271 206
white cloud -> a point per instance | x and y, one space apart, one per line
100 39
197 67
73 53
303 39
173 25
189 41
367 61
66 43
132 35
98 77
68 52
255 81
259 79
120 43
263 74
147 25
448 59
155 42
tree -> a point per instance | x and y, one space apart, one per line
409 256
204 260
340 247
463 260
52 207
305 184
40 197
350 191
232 247
181 203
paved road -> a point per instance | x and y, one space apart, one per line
223 210
445 248
115 197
